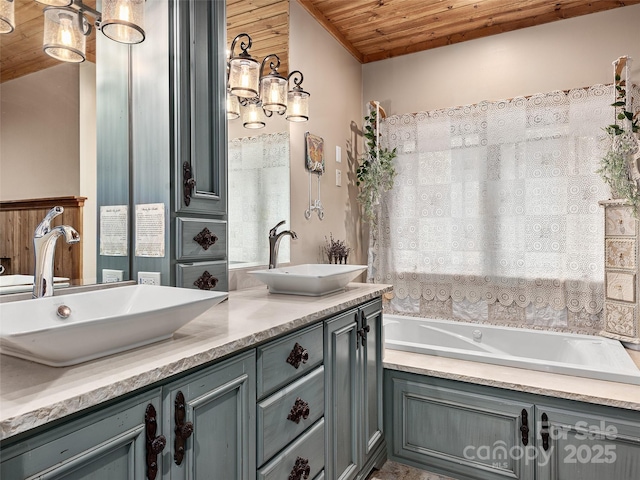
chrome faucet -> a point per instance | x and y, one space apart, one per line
44 245
274 242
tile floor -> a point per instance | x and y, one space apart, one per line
396 471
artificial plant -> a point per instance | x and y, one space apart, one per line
616 166
376 173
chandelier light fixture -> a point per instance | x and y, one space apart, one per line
66 25
261 95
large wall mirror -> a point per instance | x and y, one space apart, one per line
49 144
259 186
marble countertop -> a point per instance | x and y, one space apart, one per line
32 395
613 394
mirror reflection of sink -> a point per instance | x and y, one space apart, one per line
309 279
24 283
100 322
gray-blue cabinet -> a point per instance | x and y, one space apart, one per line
353 392
209 422
469 431
104 445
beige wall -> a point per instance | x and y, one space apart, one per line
334 80
39 125
561 55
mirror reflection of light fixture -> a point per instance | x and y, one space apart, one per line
65 34
7 16
253 115
249 87
66 25
123 20
233 107
244 70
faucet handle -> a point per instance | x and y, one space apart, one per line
273 231
45 225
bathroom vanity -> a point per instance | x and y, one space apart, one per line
261 386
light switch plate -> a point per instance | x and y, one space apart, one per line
338 154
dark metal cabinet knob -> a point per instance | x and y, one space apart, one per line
205 238
299 410
206 281
301 469
155 445
183 430
297 356
544 431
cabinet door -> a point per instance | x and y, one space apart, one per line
104 445
587 445
342 410
200 133
371 317
219 404
452 428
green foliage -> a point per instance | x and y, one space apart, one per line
615 169
376 173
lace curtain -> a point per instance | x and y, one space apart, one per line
498 201
259 195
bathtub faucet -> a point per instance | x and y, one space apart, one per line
274 242
44 245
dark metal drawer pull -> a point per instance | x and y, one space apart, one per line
301 469
544 432
524 427
205 238
188 183
206 281
154 445
183 430
299 410
298 355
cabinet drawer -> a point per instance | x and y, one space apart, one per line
275 428
278 363
621 286
620 253
619 221
309 447
201 239
188 274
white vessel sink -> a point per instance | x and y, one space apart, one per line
101 322
309 279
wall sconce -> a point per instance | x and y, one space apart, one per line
259 93
7 16
66 25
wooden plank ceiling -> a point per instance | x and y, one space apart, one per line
370 29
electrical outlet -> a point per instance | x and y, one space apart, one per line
149 278
338 178
111 276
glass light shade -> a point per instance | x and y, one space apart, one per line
273 93
244 77
253 117
64 38
55 3
7 16
123 20
297 106
233 107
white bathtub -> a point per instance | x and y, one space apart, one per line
571 354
